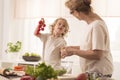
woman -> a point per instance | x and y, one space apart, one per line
94 50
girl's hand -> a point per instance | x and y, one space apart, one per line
41 26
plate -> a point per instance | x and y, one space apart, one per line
31 58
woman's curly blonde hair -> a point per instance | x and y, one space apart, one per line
54 23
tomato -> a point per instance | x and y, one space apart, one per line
18 68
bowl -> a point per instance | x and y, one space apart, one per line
31 58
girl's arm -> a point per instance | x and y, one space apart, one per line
37 31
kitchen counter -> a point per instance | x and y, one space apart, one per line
67 77
4 78
64 77
19 61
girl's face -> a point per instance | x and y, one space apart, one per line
60 27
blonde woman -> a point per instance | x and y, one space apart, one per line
94 51
53 42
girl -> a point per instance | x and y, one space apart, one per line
53 42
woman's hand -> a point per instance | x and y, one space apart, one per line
66 51
63 52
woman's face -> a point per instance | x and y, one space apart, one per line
76 14
60 27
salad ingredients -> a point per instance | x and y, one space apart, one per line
26 77
42 71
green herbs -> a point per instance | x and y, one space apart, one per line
14 47
41 71
61 72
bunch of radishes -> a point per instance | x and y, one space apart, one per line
41 25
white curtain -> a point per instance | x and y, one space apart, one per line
18 19
37 8
18 26
14 29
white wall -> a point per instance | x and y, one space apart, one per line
1 21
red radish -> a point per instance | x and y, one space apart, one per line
42 29
41 26
26 78
44 25
40 22
82 76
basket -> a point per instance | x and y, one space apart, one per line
31 58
